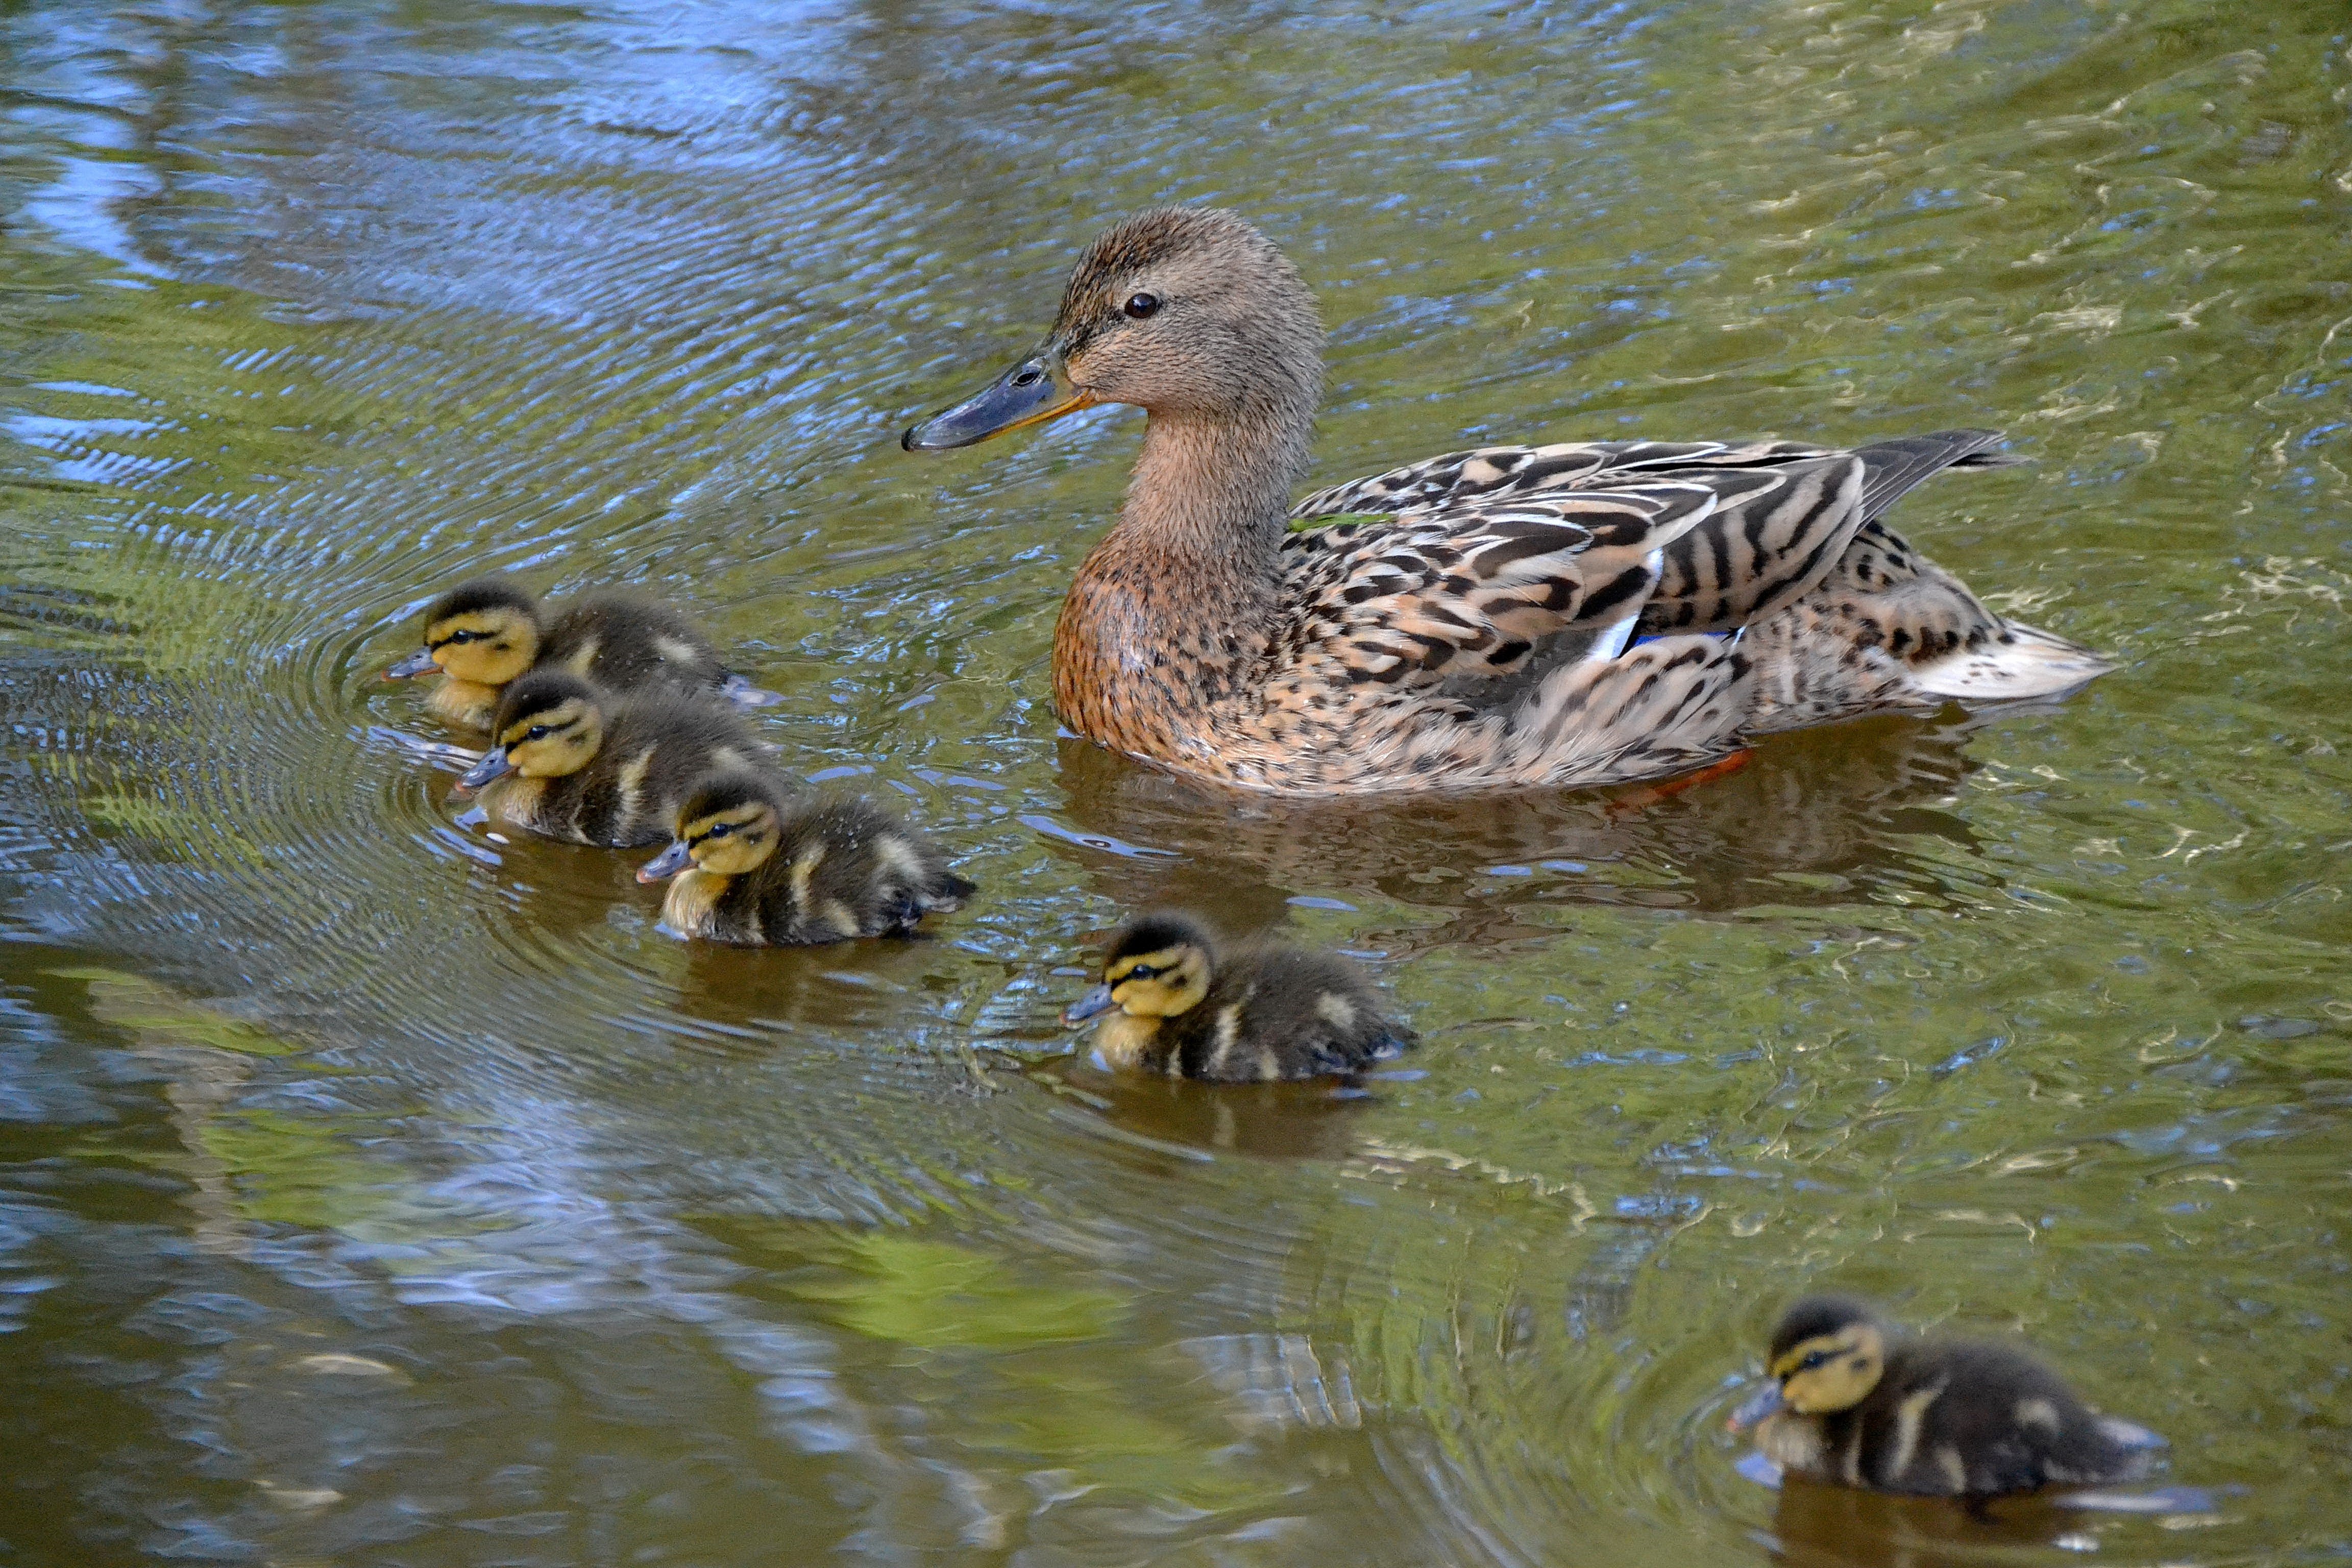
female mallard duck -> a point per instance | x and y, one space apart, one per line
598 769
760 871
1182 1007
1562 615
482 634
1852 1401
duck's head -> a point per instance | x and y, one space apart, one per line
550 724
485 631
730 823
1188 312
1827 1355
1159 965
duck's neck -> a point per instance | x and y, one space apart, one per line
1211 497
1173 609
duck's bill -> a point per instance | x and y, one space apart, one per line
1755 1408
418 663
493 765
1031 393
1093 1004
669 863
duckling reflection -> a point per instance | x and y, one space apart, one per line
1823 1526
591 768
755 870
1852 1401
1313 1119
483 635
1180 1006
751 1001
1832 806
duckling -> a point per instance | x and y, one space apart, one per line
1852 1401
1182 1007
599 768
761 871
481 635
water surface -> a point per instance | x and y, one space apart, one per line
377 1192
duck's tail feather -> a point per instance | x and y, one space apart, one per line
2016 664
1890 470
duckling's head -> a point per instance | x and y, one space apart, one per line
1188 312
1159 965
550 724
485 631
730 823
1827 1355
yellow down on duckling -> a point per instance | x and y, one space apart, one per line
1853 1401
577 764
483 635
756 868
1180 1004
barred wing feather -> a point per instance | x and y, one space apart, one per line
1783 512
1474 589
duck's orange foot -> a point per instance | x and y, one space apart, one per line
1648 795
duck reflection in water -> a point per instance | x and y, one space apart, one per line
1812 817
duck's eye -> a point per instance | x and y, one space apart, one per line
1813 1362
461 637
1142 971
1140 306
719 830
537 732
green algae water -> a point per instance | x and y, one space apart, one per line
372 1192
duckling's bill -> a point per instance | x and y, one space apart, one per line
495 765
421 662
1755 1408
1093 1004
1031 393
669 863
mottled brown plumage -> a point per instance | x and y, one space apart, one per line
574 762
1573 614
1178 1004
484 634
756 867
1854 1402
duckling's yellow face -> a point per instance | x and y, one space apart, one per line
489 647
733 840
1160 984
1831 1372
547 743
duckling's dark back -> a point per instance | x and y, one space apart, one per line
1963 1417
1283 1013
626 642
657 746
843 867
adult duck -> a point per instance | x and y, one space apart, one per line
1568 615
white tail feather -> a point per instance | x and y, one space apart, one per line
2023 662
